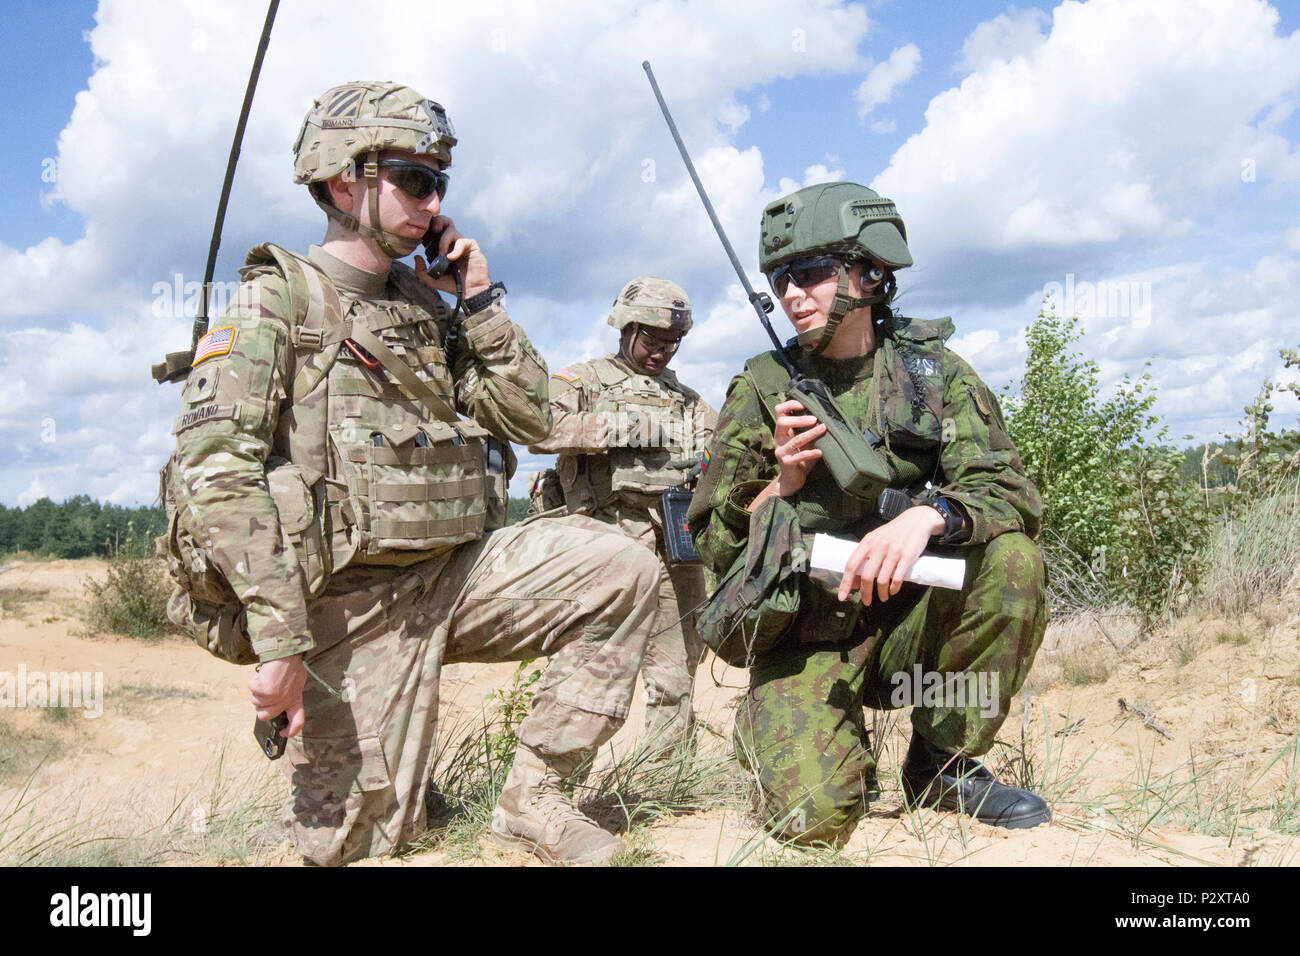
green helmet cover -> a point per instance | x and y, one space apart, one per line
842 219
839 219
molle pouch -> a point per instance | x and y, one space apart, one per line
416 487
911 396
220 629
501 465
644 470
299 495
758 600
825 618
574 472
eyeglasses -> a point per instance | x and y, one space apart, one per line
415 179
653 343
805 272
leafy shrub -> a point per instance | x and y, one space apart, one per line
1125 526
132 599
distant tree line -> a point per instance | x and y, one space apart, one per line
79 528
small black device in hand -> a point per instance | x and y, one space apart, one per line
267 735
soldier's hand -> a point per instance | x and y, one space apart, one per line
277 686
466 257
794 436
884 556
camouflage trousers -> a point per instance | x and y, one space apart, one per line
958 656
568 589
674 651
671 656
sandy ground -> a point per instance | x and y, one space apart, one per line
1207 706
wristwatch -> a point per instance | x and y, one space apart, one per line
481 300
953 520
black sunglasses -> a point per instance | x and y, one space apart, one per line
805 272
415 179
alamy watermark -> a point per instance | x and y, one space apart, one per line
178 298
130 910
956 690
1107 300
75 690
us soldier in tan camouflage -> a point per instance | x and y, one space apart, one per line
340 468
626 430
830 252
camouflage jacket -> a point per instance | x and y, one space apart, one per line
621 437
245 411
939 422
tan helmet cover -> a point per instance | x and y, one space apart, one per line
652 302
360 118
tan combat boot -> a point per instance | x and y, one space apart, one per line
534 815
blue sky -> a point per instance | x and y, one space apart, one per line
1144 146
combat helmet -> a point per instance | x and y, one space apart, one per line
366 118
839 219
653 302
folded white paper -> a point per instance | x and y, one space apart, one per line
832 554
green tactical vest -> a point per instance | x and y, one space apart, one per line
907 404
908 397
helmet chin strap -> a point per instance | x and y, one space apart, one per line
625 342
381 237
816 341
625 347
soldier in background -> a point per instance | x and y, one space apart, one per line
626 430
339 473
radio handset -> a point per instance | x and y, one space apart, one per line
438 263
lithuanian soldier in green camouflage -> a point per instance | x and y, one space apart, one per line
830 252
626 430
341 465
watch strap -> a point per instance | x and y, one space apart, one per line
481 300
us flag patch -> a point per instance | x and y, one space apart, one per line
217 342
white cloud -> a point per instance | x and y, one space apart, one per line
886 77
1006 37
557 126
1108 129
1088 145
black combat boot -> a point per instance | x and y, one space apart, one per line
933 778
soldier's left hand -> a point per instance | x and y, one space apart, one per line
466 257
884 556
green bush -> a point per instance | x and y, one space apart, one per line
1262 460
131 600
1125 526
